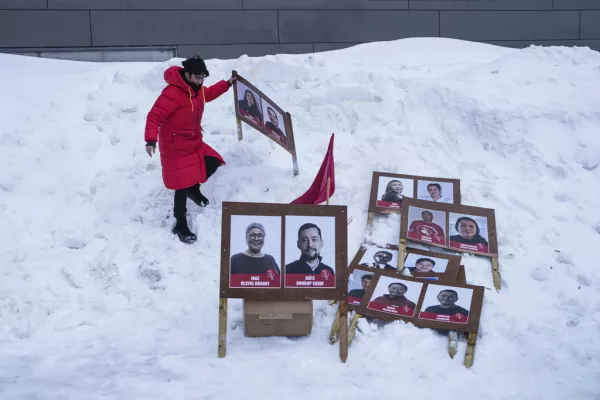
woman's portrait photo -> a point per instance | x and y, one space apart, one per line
438 192
469 233
391 191
274 122
249 105
425 264
255 248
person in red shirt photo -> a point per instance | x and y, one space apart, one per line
419 230
174 121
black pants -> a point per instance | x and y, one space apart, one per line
179 207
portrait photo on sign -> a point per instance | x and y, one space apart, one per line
255 252
391 191
424 264
469 233
427 226
376 257
274 122
446 304
249 105
395 296
309 252
358 283
439 192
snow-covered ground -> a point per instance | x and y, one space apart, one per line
98 300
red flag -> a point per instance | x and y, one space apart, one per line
317 193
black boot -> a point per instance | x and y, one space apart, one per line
196 196
182 230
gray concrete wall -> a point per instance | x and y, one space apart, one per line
160 29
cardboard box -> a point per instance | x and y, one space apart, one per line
278 317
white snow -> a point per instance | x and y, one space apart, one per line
98 300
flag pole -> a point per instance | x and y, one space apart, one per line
328 189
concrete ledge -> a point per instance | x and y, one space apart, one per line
118 54
576 5
233 51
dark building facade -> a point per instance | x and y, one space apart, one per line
153 30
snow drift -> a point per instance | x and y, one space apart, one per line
99 300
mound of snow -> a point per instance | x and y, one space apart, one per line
99 300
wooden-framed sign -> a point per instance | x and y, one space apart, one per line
388 191
460 228
256 109
377 257
283 251
430 265
389 296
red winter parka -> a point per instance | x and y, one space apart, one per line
174 121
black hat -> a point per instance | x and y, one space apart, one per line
195 65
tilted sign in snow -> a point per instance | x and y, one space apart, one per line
389 296
466 229
388 191
256 109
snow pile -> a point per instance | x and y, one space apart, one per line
99 300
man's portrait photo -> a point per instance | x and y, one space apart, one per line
376 257
469 233
427 226
391 191
309 251
424 264
249 105
255 252
395 296
446 304
274 122
437 192
358 284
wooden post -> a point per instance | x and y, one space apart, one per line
452 343
343 307
238 121
328 189
353 326
470 354
222 327
335 328
293 151
370 217
401 250
496 273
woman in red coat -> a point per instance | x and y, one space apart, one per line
174 122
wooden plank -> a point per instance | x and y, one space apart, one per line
470 354
343 308
222 327
496 273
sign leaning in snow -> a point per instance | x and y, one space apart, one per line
256 109
388 296
283 251
466 229
388 191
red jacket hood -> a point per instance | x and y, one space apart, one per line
173 77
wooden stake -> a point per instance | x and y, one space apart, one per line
335 328
239 129
401 250
452 343
496 273
370 217
238 121
353 326
222 327
470 354
343 308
